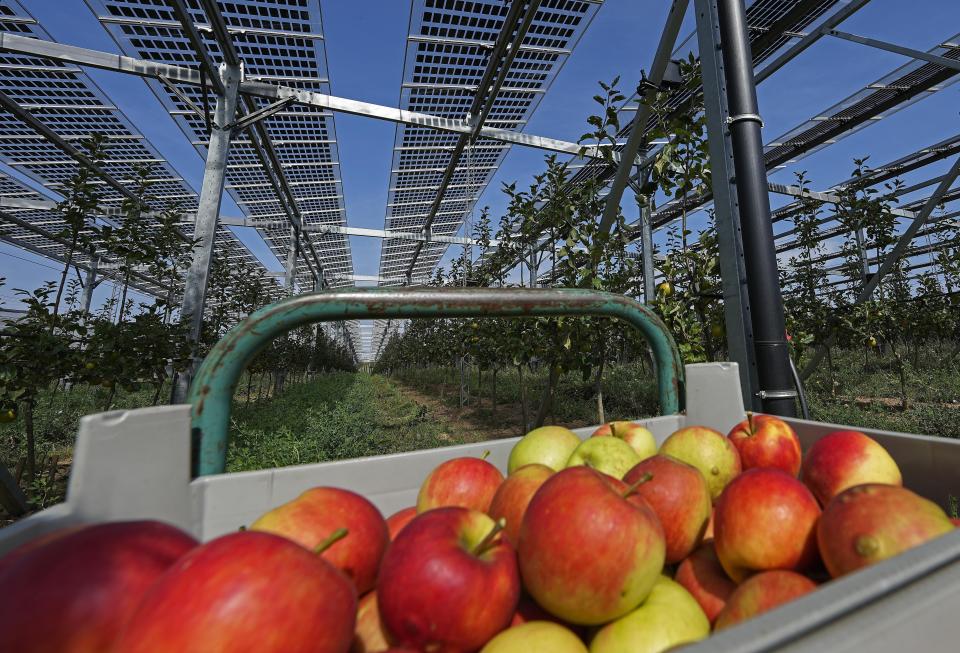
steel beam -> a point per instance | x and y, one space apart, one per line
946 62
208 211
635 141
736 300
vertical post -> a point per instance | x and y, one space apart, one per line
777 392
646 239
89 285
291 267
861 238
736 302
208 213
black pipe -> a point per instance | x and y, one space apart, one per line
759 250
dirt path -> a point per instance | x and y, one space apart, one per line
464 424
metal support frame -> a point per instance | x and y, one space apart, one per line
635 142
771 351
208 212
946 62
736 300
90 283
290 268
504 51
903 242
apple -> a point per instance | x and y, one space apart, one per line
869 523
399 519
74 591
547 445
448 582
668 618
536 637
707 450
679 495
767 441
842 459
588 553
608 455
369 636
955 521
11 557
765 520
462 482
761 593
708 533
703 576
314 516
636 435
514 494
245 592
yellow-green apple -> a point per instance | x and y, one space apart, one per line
369 636
449 582
466 482
399 519
762 592
679 495
74 591
668 618
536 637
765 520
767 441
589 550
547 445
246 592
702 575
311 518
842 459
636 435
869 523
608 455
514 494
707 450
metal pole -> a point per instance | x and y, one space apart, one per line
861 238
291 267
89 284
736 301
646 251
208 213
760 255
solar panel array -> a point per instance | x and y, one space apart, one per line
66 100
278 41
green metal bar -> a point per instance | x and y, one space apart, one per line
212 391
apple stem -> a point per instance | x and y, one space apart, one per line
334 537
487 541
750 421
242 528
485 455
647 476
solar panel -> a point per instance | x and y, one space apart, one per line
278 41
65 99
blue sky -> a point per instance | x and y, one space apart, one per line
365 47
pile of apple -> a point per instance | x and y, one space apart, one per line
605 545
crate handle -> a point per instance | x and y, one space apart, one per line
211 393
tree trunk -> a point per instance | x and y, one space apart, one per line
493 394
479 387
157 387
123 294
833 387
523 402
63 279
546 402
31 464
598 392
249 387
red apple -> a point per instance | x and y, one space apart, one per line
761 593
245 592
767 441
842 459
703 576
707 450
310 519
11 557
399 519
873 522
765 520
75 592
449 582
514 494
462 482
955 521
587 553
679 495
369 636
636 435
